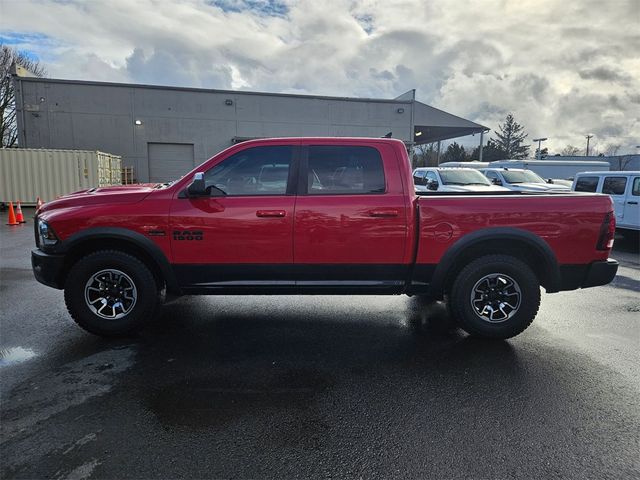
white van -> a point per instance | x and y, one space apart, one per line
555 169
474 164
624 189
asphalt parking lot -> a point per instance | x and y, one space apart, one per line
256 387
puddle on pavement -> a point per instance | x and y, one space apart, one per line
13 355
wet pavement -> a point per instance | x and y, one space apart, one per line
257 387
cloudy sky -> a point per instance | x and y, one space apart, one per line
563 67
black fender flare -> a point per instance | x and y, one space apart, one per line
130 236
550 268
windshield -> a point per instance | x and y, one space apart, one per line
522 176
463 177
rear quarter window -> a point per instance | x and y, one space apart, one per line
614 185
587 184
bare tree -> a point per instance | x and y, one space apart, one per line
570 151
8 125
425 155
611 150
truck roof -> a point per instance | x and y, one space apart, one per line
333 140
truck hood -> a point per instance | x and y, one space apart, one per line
95 196
472 188
540 187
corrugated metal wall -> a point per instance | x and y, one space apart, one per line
26 174
124 119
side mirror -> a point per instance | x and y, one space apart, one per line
550 180
432 185
496 181
197 187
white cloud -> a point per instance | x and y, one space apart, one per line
563 68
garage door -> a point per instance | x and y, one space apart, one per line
169 161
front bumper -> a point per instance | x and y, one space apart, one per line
48 269
584 276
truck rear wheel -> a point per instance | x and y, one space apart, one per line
495 296
111 293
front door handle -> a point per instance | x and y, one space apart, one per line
632 203
271 213
383 212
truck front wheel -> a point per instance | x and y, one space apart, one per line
495 296
111 293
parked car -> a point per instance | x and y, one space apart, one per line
521 180
317 216
553 169
560 181
624 189
452 180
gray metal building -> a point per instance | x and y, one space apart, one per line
165 131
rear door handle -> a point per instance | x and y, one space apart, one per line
383 212
271 213
632 203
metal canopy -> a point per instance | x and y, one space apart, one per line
433 125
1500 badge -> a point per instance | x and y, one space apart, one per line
187 235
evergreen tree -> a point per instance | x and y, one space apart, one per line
510 137
544 153
454 153
490 153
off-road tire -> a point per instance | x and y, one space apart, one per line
148 297
462 309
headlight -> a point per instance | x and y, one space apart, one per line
47 237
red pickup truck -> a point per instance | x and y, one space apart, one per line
318 216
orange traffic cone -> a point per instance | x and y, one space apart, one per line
12 215
19 215
39 203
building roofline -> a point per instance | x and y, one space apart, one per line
208 90
477 125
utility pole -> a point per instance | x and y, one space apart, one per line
588 137
539 152
482 132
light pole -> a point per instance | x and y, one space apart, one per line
588 137
482 132
539 152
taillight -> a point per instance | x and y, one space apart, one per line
607 232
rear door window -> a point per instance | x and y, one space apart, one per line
344 170
587 184
635 191
614 185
